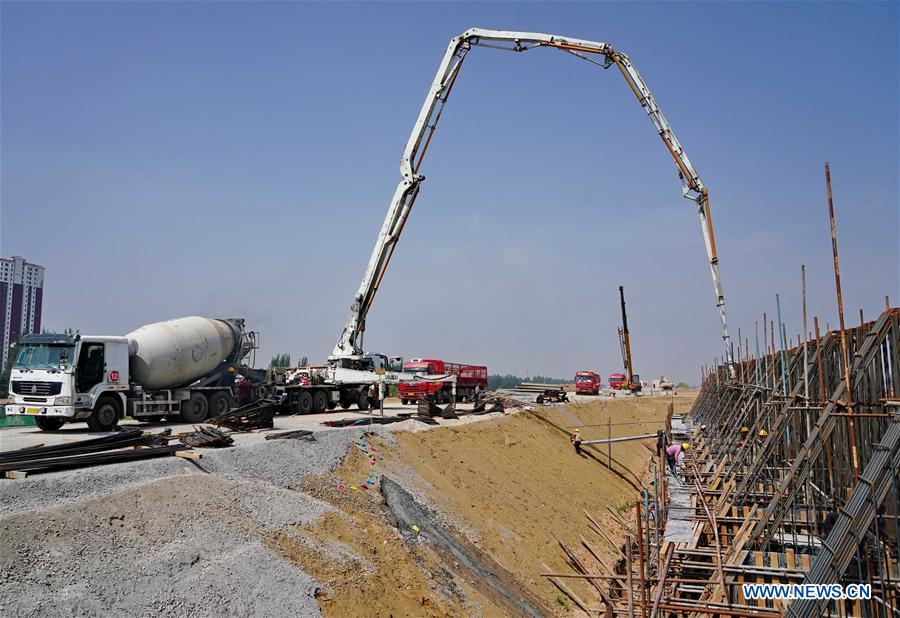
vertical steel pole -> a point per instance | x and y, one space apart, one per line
642 575
851 422
774 350
820 363
766 345
609 442
805 346
747 357
758 357
822 395
784 378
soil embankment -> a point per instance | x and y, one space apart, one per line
515 484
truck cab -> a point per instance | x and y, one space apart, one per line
617 381
373 361
587 383
411 392
63 377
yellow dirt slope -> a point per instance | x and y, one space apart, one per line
515 482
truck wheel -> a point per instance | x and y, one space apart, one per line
305 402
219 403
50 423
405 402
105 415
194 410
362 401
332 404
320 402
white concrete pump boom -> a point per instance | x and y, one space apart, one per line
349 346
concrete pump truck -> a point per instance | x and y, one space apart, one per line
348 351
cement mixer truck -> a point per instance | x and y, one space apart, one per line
180 368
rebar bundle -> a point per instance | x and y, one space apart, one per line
256 415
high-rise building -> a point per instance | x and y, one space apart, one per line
21 297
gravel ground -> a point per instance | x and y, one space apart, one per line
281 462
44 490
169 537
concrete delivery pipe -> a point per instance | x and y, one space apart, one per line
177 352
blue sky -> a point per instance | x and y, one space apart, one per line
231 159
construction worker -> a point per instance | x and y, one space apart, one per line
662 441
245 391
675 455
575 440
477 393
744 431
761 438
372 396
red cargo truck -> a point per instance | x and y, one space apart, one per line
587 383
467 378
618 381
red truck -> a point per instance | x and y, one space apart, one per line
587 383
467 378
617 381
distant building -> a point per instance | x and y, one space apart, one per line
21 297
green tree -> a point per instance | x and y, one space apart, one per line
4 376
496 381
280 360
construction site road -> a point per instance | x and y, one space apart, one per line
13 438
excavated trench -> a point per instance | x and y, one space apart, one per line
488 576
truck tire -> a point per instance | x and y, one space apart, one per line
219 403
404 401
362 401
347 398
305 402
105 415
194 410
320 402
49 423
332 404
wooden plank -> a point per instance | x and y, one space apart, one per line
15 474
760 579
192 455
773 562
